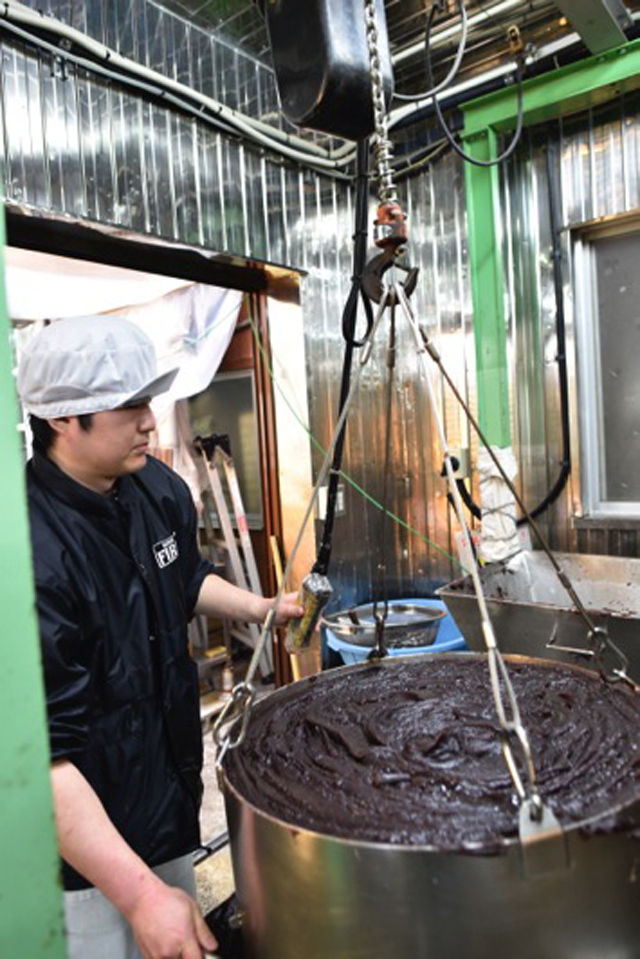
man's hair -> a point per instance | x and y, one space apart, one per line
43 435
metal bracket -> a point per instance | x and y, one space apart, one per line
574 650
543 843
230 727
516 45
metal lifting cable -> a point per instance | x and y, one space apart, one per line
379 648
536 819
231 725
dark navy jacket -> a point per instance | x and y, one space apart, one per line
117 578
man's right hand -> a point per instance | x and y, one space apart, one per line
168 924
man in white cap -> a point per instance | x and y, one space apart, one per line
118 574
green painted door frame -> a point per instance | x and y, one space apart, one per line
30 894
560 93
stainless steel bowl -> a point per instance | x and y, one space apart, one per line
303 893
407 624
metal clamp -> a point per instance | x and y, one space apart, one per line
231 725
604 648
379 650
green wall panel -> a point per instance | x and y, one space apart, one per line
31 924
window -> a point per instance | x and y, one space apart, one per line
607 277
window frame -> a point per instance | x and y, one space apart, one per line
584 240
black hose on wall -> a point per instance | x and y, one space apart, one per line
561 356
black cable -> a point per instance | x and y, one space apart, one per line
561 356
349 321
466 498
465 495
124 79
448 80
441 120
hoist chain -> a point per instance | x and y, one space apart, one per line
383 149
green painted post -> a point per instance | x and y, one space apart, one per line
31 924
488 292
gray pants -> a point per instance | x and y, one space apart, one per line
95 928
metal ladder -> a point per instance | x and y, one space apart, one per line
217 459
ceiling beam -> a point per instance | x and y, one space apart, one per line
562 92
600 23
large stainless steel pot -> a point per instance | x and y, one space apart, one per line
304 895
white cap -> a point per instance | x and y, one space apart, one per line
87 364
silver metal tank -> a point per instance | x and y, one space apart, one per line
532 613
304 895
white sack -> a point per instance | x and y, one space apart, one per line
499 532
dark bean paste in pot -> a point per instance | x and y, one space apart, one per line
410 752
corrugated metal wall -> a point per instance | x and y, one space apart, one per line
75 145
414 561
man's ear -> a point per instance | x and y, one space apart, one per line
60 425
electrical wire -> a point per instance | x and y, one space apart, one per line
447 132
412 97
356 296
561 358
111 65
509 149
412 167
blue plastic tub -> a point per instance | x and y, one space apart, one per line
448 638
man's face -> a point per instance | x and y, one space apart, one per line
115 444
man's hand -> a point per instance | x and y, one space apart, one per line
288 608
167 924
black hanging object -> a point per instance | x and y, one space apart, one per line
321 60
